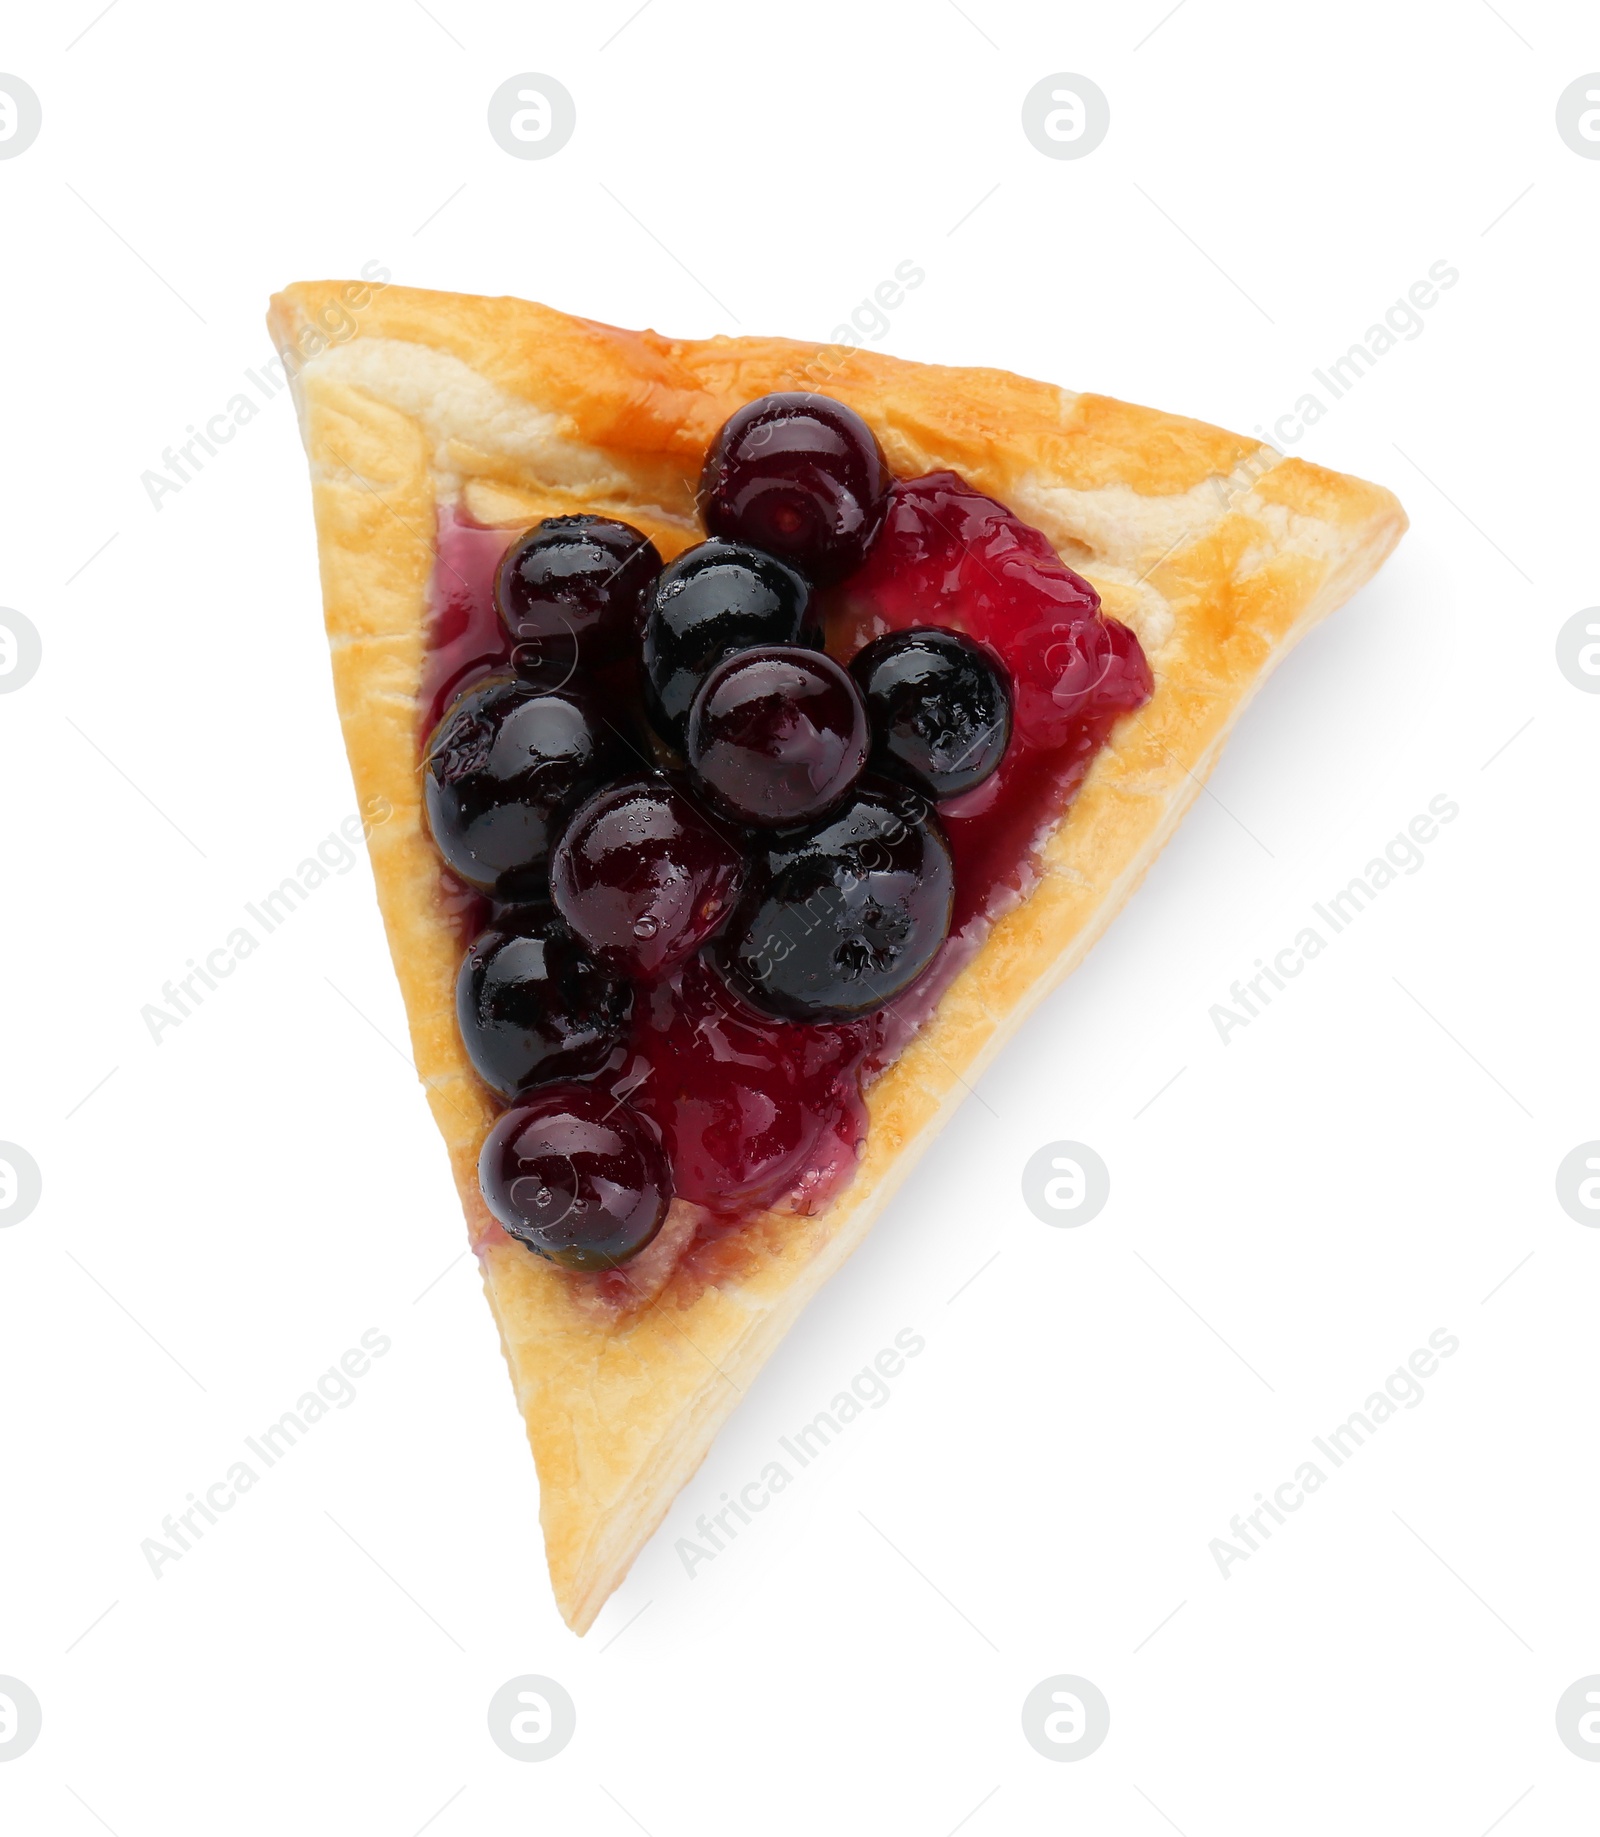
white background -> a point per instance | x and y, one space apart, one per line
1365 1163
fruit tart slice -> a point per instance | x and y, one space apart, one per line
768 727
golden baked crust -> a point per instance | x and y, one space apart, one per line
1216 550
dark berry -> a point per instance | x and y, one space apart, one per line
940 707
643 877
716 598
799 476
777 736
533 1005
572 590
577 1176
838 920
503 768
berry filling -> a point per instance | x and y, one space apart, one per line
503 770
840 919
576 1176
702 948
715 600
748 1113
777 737
571 594
643 877
939 706
948 556
533 1005
798 476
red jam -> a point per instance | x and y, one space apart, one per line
750 1110
753 1112
949 556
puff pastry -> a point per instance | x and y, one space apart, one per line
1218 551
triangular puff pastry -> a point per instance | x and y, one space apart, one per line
1218 551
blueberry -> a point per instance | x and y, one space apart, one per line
777 736
502 770
533 1004
716 598
576 1176
572 590
643 877
838 919
940 707
799 476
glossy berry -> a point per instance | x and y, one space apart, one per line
502 769
643 878
572 590
777 736
577 1176
799 476
940 707
715 599
840 919
533 1005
